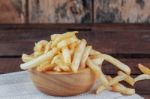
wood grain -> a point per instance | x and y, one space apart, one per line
12 11
67 84
60 11
143 87
146 96
113 41
121 11
9 65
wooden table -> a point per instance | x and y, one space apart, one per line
129 43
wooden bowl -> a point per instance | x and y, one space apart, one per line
63 84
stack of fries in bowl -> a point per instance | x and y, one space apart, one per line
66 66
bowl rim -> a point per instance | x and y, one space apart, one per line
59 73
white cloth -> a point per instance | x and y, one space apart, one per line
18 85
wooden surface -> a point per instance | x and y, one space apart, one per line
12 11
74 11
128 43
121 11
60 11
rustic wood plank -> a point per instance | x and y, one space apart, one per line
120 43
146 96
47 26
121 11
143 87
125 42
10 64
12 11
60 11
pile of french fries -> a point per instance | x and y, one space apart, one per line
66 53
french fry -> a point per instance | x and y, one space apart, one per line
40 46
112 81
37 61
77 55
63 37
54 36
48 47
94 52
85 56
73 46
62 65
55 58
122 89
142 77
98 72
98 61
66 56
57 69
100 89
46 66
66 42
144 69
128 79
37 53
27 58
117 79
117 63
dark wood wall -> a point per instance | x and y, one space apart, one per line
74 11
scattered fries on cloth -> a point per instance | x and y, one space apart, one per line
66 53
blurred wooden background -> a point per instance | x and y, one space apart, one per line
74 11
117 27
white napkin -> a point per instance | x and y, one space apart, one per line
18 85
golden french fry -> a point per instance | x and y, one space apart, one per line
78 55
142 77
66 42
85 56
144 69
100 89
54 36
94 52
117 79
73 47
55 58
98 72
63 37
112 81
57 69
122 89
128 79
40 46
46 66
37 61
66 56
48 47
62 65
37 54
27 58
98 61
117 63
